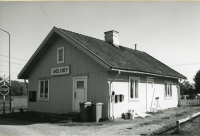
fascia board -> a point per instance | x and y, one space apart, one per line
82 48
138 72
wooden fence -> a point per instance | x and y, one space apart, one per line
189 102
178 122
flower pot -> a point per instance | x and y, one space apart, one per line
128 116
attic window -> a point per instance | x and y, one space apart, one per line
60 55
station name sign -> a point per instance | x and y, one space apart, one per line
64 70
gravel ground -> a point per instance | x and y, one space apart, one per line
134 127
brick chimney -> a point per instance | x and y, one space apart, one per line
112 37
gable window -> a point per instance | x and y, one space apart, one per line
134 88
60 55
168 89
43 90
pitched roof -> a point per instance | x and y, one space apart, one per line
121 58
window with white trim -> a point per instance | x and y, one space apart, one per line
43 90
168 89
60 55
133 88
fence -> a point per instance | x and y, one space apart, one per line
189 102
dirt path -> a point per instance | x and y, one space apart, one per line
117 127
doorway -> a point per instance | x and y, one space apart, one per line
150 94
79 92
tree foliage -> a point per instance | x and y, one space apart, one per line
197 82
17 88
186 88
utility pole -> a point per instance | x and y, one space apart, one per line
9 72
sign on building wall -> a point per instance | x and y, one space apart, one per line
64 70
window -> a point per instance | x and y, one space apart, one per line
43 90
60 55
134 87
168 90
80 84
32 96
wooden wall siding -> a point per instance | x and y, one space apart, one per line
60 100
121 86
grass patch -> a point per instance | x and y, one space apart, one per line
179 114
73 124
18 102
155 113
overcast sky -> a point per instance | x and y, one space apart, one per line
168 31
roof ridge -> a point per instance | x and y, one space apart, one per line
98 39
83 35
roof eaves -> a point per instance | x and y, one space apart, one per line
141 72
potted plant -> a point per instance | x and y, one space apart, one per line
129 114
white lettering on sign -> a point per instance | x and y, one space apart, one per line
60 71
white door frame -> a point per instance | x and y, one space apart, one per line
74 78
148 80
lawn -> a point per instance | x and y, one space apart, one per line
18 101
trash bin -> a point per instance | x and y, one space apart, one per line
85 111
96 111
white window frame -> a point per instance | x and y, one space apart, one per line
133 99
168 89
39 84
58 49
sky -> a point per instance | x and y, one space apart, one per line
168 31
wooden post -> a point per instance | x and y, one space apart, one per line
4 104
178 126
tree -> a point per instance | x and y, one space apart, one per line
197 82
18 88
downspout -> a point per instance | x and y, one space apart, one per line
27 91
26 84
112 95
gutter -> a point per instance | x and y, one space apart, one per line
144 73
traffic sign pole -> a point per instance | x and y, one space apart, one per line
4 104
4 90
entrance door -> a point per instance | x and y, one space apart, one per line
150 95
80 92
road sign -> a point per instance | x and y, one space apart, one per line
4 90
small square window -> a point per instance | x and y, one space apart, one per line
60 55
32 96
80 84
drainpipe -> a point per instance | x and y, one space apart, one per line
112 96
27 90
